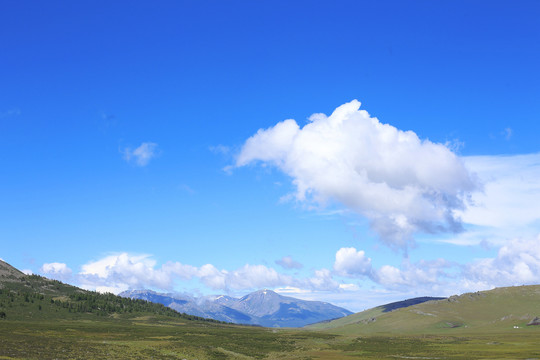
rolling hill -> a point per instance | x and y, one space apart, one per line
370 315
501 309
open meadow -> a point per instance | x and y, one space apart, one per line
153 337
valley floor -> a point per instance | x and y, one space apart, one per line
166 338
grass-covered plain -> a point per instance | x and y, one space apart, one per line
165 338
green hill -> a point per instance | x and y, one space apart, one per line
370 315
35 297
497 310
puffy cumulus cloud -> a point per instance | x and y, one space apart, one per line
423 275
212 277
350 262
122 272
401 183
390 275
58 271
246 277
287 262
517 263
141 155
252 277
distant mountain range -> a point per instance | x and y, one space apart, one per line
263 307
32 297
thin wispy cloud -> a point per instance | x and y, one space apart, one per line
220 149
186 188
10 113
507 133
511 195
287 262
141 155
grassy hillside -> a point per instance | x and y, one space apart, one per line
482 312
26 297
369 315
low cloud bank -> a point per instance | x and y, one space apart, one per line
516 263
116 273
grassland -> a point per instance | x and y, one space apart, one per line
45 319
166 338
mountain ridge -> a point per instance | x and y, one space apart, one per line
9 273
262 307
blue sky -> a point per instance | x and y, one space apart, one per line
131 155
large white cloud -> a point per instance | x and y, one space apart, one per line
401 183
120 272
